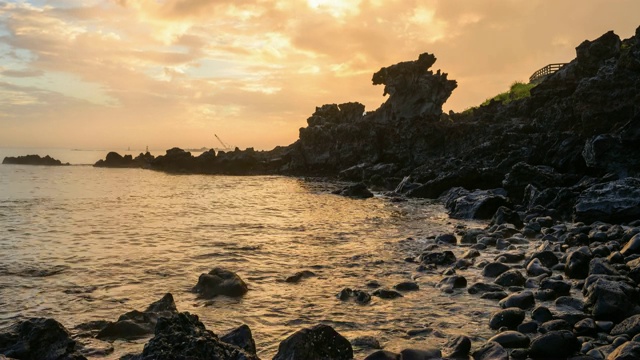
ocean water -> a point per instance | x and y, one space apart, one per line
79 243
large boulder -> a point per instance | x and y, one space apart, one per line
220 282
183 336
38 339
608 298
541 177
613 202
554 345
316 343
478 204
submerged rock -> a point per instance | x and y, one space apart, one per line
220 282
358 191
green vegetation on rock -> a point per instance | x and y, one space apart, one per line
517 91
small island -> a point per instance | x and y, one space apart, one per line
33 160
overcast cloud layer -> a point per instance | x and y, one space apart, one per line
113 74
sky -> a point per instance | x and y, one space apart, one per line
114 74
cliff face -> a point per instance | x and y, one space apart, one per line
581 120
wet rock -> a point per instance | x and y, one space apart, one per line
471 236
546 257
554 344
447 239
415 354
367 342
554 325
38 338
629 326
383 355
570 302
494 269
491 351
632 246
32 160
585 327
510 257
509 318
600 266
481 288
494 295
630 350
220 282
183 336
444 258
299 276
242 338
386 294
545 295
407 286
523 300
541 314
577 266
535 268
511 278
528 327
137 324
613 202
359 296
357 191
457 347
511 339
610 300
478 204
318 342
559 287
504 215
452 282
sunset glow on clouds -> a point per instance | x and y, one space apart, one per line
112 74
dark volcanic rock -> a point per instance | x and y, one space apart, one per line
452 282
609 299
494 269
38 338
511 277
383 355
491 351
115 160
438 258
183 336
629 326
627 351
510 318
554 345
32 160
136 324
541 177
315 343
457 347
504 215
613 202
220 282
386 294
478 204
358 191
511 339
523 300
242 338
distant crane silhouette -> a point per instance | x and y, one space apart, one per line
224 146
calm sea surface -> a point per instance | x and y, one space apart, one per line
79 243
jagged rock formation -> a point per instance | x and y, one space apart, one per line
32 160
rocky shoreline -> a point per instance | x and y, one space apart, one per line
557 174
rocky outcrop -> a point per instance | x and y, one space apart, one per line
614 202
137 324
183 336
115 160
38 338
32 160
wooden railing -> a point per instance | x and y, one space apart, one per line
545 71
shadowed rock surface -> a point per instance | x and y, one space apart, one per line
38 339
32 160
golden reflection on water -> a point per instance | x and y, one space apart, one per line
121 238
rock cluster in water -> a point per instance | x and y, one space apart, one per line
32 160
